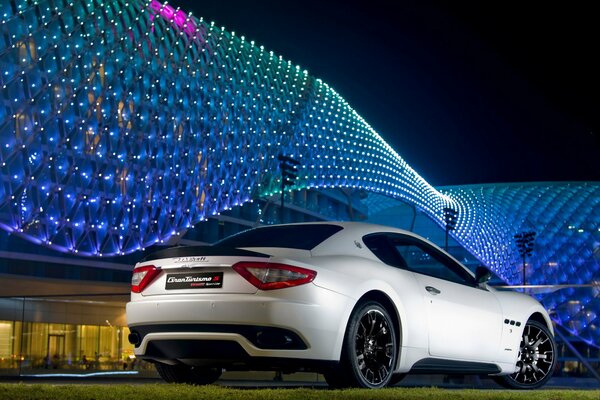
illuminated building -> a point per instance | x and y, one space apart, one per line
124 124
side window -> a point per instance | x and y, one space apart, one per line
423 259
381 247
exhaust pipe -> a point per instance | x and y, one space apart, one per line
134 338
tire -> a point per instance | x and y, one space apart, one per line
369 351
186 374
536 359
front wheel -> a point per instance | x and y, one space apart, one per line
186 374
536 360
369 350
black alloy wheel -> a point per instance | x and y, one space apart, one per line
536 360
369 351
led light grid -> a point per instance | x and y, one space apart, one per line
123 123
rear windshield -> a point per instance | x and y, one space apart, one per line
304 237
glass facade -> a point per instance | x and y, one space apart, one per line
39 347
32 346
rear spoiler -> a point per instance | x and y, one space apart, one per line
199 251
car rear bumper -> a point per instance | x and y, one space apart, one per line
305 322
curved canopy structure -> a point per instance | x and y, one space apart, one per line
126 122
565 220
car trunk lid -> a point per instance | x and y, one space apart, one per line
199 270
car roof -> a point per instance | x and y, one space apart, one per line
357 230
356 227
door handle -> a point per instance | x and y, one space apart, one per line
432 290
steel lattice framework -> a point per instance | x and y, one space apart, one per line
123 123
126 122
566 219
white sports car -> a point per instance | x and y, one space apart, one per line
362 304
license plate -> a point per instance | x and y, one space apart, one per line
195 280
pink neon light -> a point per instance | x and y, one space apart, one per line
178 17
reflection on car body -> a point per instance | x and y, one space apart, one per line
362 304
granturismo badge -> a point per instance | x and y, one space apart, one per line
198 280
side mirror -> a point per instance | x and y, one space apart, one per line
482 275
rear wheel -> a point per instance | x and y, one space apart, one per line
186 374
369 351
536 360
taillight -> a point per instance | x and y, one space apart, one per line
142 276
274 276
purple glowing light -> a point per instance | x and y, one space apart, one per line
178 17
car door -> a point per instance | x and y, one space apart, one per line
465 321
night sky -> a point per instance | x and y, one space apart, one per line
466 92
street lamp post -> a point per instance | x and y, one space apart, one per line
524 242
289 174
450 217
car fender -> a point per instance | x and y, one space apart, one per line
340 274
520 307
517 309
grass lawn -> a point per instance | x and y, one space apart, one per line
20 391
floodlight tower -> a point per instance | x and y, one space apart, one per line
289 174
450 217
524 242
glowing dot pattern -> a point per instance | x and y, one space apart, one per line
123 123
127 122
566 219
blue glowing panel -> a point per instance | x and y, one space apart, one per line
126 122
123 123
566 249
